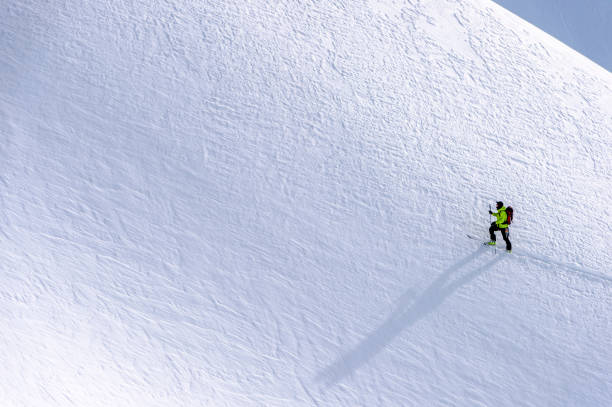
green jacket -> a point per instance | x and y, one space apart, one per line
502 218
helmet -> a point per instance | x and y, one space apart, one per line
499 204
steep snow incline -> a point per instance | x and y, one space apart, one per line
584 26
240 204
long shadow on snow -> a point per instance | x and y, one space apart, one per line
403 317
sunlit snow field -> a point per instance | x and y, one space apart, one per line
266 204
582 25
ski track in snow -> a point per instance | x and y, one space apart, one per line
238 204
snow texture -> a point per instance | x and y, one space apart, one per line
265 204
583 25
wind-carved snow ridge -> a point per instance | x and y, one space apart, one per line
585 29
264 204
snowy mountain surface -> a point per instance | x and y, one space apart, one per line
216 203
583 25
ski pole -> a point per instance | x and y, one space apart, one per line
492 222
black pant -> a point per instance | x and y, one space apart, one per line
504 232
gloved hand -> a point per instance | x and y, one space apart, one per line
490 213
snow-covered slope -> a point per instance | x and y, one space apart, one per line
582 25
255 203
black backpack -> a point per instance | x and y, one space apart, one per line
510 213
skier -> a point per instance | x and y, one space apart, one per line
501 224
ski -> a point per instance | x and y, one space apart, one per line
483 243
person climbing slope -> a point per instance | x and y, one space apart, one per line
501 224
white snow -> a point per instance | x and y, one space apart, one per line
265 204
582 25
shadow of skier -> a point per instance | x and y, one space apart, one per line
403 317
